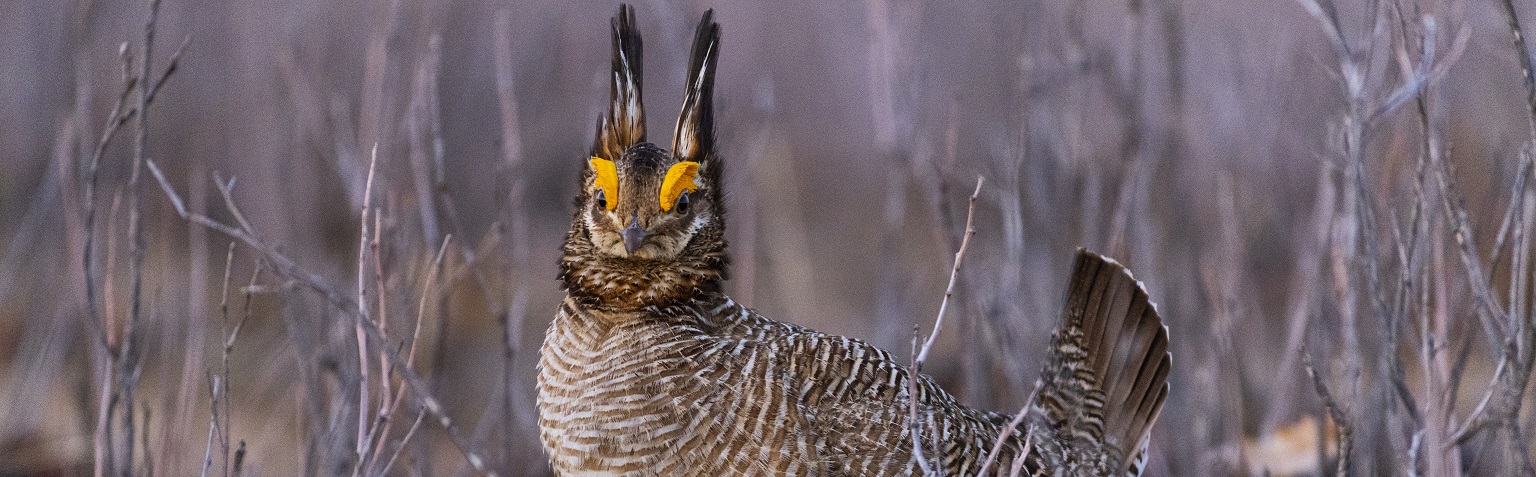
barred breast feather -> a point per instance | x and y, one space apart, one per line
719 390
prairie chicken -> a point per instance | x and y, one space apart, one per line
649 369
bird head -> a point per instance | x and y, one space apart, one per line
649 225
647 203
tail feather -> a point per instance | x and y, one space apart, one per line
1107 377
624 125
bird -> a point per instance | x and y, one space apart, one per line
649 368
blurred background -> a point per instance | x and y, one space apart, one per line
1302 186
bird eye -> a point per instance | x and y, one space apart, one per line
682 203
602 198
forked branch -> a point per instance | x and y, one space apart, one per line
287 268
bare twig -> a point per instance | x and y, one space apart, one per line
239 460
915 424
507 176
229 348
1517 34
1340 421
361 447
954 274
428 290
213 422
135 229
1512 371
1418 48
216 385
1430 453
121 370
286 267
114 122
921 355
388 399
129 355
1007 432
403 440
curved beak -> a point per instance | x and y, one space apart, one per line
634 236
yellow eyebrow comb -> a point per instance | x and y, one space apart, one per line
679 179
607 180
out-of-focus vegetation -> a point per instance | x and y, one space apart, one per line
1331 203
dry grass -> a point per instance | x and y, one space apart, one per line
1331 201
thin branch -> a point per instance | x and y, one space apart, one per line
915 425
286 267
135 229
114 122
921 356
410 357
1007 432
954 274
1517 34
361 446
239 459
403 440
213 422
1340 421
1488 309
122 112
215 390
229 348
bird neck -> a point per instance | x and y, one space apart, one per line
610 283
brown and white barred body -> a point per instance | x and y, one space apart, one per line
648 369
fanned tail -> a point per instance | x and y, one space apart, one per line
1107 376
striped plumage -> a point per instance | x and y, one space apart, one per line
648 369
